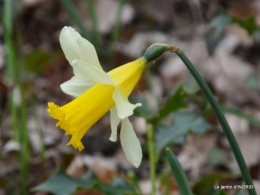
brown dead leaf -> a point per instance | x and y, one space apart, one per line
193 156
249 145
77 167
241 10
104 168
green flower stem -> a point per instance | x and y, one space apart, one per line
150 141
222 120
178 172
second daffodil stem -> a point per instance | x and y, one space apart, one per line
152 161
222 120
154 52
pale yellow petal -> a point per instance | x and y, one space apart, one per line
130 143
76 86
125 78
123 106
76 47
114 121
80 68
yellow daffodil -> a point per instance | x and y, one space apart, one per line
96 93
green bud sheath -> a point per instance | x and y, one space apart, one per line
156 50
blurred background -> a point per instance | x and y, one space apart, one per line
222 38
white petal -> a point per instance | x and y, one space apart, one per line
76 86
76 47
123 106
130 143
114 121
81 68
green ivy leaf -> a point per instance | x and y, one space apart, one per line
62 184
216 156
142 111
215 29
118 186
173 103
184 122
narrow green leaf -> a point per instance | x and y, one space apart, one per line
118 186
91 10
18 113
70 8
134 181
184 122
178 173
241 115
8 16
116 29
173 103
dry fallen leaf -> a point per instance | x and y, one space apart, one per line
106 11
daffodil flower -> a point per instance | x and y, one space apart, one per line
96 93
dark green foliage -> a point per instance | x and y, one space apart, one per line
240 192
216 156
173 103
62 184
214 31
178 173
184 122
144 110
206 184
248 23
38 61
